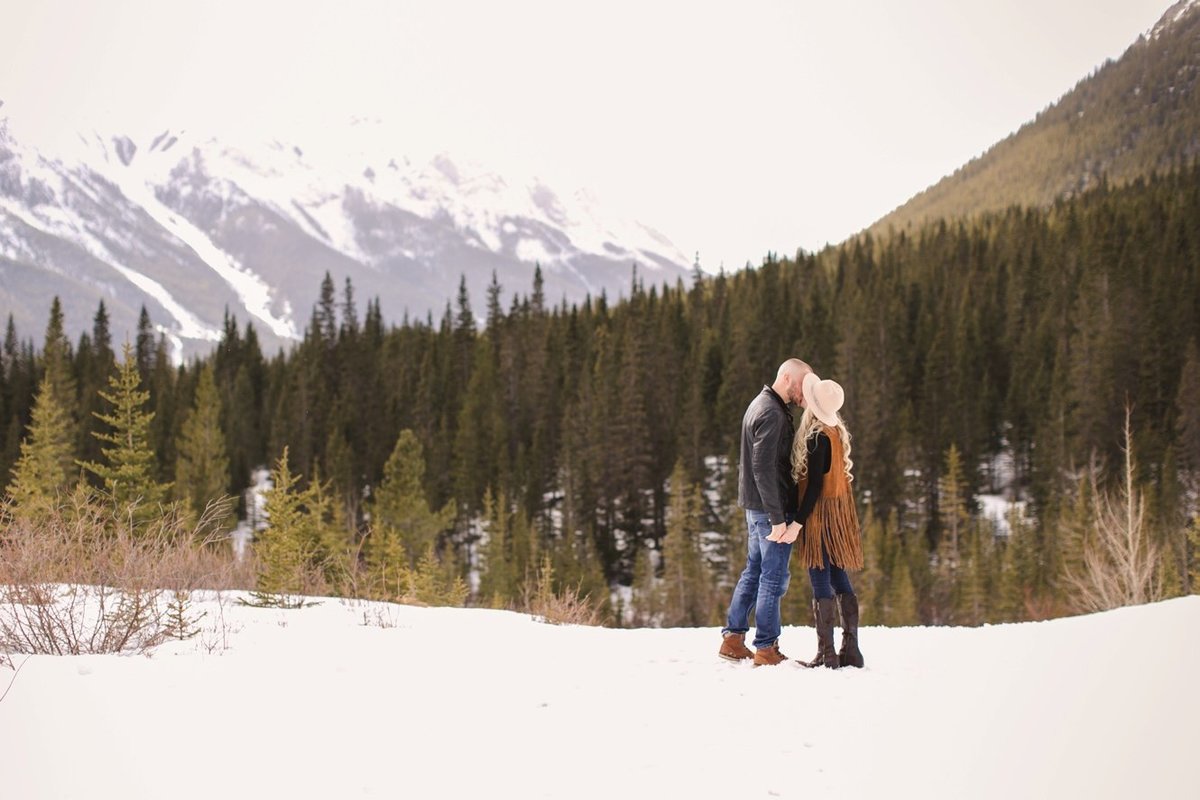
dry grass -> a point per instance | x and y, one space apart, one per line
84 578
564 607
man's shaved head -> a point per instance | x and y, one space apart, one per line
794 367
789 380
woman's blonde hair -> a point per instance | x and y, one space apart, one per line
810 426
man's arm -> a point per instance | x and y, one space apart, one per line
764 460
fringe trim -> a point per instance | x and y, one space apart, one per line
834 521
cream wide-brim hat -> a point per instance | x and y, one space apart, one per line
824 398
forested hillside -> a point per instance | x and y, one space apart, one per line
586 436
1131 117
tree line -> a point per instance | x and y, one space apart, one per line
593 446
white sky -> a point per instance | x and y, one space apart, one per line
734 128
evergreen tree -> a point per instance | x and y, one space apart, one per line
537 303
39 475
1187 427
334 545
349 311
433 584
128 472
1193 534
481 436
498 583
952 501
1015 582
339 464
1169 574
389 575
101 336
57 359
495 314
400 505
464 332
202 467
954 519
145 345
284 549
325 324
687 584
900 603
584 580
973 599
869 585
646 595
165 426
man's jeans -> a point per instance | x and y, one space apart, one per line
763 583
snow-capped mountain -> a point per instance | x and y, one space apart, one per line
192 225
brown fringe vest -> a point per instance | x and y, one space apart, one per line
834 518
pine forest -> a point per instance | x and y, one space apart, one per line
519 452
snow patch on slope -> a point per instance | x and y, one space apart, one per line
1172 15
251 289
56 221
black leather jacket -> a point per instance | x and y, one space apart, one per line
765 468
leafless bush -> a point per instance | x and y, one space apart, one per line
83 578
380 615
1119 564
214 636
565 607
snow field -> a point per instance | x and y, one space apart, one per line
325 702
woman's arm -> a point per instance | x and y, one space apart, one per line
819 455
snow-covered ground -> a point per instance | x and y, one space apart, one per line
347 700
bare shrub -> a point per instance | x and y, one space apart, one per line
1119 565
380 615
84 577
214 636
565 607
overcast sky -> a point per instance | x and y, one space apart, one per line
734 128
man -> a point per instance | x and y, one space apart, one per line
768 494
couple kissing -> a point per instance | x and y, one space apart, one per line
795 487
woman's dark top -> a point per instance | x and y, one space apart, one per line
819 455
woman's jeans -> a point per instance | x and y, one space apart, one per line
762 584
826 581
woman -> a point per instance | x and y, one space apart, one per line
830 540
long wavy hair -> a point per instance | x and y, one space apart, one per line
810 426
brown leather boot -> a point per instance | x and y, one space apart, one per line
768 656
849 655
824 617
733 647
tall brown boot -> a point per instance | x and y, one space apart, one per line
824 617
850 655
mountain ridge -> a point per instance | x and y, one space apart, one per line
192 225
1130 117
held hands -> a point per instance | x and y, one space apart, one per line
783 533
